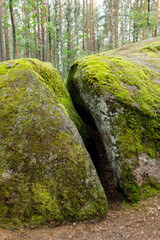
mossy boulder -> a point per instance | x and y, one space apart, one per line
120 89
46 174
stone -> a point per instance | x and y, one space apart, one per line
120 92
46 174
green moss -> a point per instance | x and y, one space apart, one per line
136 91
51 79
131 84
132 191
153 47
150 188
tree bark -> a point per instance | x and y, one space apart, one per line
148 15
87 26
39 34
130 22
69 35
117 25
77 23
24 13
4 14
13 28
1 37
111 28
35 32
83 47
93 27
14 17
60 39
43 31
49 33
90 17
144 18
58 36
156 19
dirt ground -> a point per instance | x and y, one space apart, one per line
140 222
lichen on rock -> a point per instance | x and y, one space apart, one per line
121 90
46 174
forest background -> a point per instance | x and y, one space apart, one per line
61 31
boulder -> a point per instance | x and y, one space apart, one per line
46 174
119 90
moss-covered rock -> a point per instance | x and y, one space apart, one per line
121 90
46 174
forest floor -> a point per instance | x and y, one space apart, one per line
140 222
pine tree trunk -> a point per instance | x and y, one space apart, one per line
148 20
156 19
49 34
87 26
14 17
58 36
39 34
117 25
1 37
43 31
130 22
108 25
24 13
111 28
7 51
13 28
90 17
77 23
83 47
69 35
94 37
35 33
144 18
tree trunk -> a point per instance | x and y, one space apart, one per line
156 19
130 22
93 27
117 25
4 14
148 15
43 31
39 34
87 26
14 17
69 35
24 13
90 17
111 28
1 37
77 23
58 36
144 18
35 32
83 47
49 33
13 28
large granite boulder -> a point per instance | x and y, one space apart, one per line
46 174
120 92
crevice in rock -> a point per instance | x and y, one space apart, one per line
99 157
